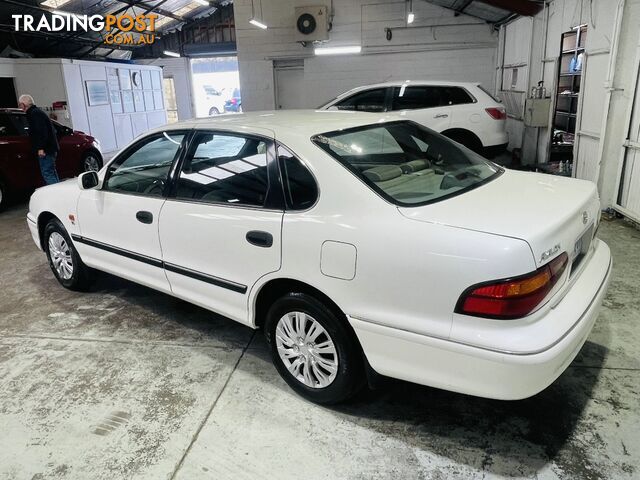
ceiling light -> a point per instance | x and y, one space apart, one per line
338 50
257 23
54 3
410 16
202 2
169 53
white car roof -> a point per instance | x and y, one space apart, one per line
284 123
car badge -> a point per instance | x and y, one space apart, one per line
549 253
585 217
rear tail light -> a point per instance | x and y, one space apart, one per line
514 297
496 113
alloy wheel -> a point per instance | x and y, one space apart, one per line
60 254
306 349
91 163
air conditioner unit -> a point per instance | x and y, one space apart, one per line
312 23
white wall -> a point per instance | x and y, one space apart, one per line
428 49
180 71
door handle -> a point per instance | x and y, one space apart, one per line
144 216
441 115
259 238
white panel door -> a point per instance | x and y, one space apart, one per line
290 88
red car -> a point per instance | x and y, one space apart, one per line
19 168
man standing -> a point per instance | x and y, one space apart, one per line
43 138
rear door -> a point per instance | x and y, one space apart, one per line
423 104
220 228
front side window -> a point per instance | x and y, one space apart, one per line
300 188
145 169
20 123
368 101
7 128
226 169
422 167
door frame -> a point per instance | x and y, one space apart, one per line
628 144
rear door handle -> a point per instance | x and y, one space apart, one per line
441 115
259 238
144 217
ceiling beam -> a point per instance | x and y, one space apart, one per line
462 7
151 8
521 7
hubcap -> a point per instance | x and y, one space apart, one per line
60 254
91 164
306 349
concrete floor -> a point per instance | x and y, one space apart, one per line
124 382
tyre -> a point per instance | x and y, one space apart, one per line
91 161
213 111
65 263
313 349
466 139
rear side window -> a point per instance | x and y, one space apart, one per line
225 169
410 98
368 101
300 187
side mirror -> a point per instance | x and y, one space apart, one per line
88 180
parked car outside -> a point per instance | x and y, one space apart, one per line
215 100
464 112
19 169
234 104
360 243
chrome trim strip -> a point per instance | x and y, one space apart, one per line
495 350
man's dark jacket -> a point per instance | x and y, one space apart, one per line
42 132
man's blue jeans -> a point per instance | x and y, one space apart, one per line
48 168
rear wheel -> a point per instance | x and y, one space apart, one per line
91 161
313 349
64 260
467 139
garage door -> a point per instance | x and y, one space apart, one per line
628 198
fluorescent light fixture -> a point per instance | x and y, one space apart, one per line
54 3
257 23
202 2
411 17
338 50
169 53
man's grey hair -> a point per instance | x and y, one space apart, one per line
26 99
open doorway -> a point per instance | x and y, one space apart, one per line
8 97
216 85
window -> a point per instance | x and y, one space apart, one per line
300 187
225 168
424 167
408 98
368 101
170 97
145 169
6 127
21 124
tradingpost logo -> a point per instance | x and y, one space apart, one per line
121 29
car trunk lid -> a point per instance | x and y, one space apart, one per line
552 214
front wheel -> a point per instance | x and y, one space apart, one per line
91 162
313 349
64 260
213 111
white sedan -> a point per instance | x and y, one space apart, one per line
359 243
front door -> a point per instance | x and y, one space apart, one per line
119 222
18 163
220 227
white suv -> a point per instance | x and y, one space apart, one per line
464 112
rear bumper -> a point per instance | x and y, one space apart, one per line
488 373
